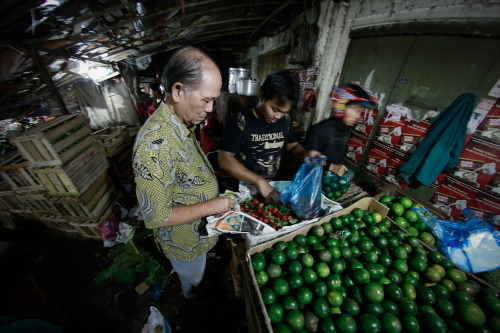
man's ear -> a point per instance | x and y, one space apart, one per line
177 91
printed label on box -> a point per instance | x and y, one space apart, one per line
394 164
393 124
453 196
479 162
355 147
412 135
378 159
485 205
366 123
489 128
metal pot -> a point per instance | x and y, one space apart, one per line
234 75
247 86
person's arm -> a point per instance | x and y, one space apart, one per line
185 214
298 152
228 162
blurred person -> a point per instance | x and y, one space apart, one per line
329 135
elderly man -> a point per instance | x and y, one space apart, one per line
176 185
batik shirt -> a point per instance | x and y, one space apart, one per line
171 170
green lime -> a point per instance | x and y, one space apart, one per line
345 323
261 277
390 323
275 312
295 320
374 292
295 280
368 322
281 286
258 261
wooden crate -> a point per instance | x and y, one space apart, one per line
55 142
57 223
8 199
8 220
90 229
92 204
121 166
74 178
18 174
37 201
113 139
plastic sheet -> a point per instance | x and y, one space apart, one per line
473 244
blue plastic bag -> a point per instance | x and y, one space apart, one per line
473 244
304 194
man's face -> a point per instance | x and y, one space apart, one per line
273 110
197 104
352 113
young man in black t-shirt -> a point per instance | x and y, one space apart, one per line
254 138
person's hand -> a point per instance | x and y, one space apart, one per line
314 153
267 191
338 169
222 205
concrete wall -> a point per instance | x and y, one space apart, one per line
339 21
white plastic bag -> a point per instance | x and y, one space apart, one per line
156 322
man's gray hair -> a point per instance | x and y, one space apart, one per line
184 66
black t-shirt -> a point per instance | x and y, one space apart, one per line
255 143
328 137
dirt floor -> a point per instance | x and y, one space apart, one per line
50 275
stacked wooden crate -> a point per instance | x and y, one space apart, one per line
117 144
21 192
73 168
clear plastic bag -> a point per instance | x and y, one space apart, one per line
305 192
473 244
156 322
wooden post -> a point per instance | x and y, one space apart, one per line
48 80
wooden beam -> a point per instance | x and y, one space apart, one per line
47 78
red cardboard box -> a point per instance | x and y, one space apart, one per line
485 205
452 196
394 164
479 162
494 185
355 147
366 123
489 128
392 125
412 135
378 158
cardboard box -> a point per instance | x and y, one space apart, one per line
365 203
452 196
393 124
366 123
378 159
412 135
486 206
489 127
355 147
479 163
394 165
395 191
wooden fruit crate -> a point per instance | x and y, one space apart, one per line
74 178
55 142
57 223
113 139
8 220
121 166
8 199
18 173
92 204
91 228
37 201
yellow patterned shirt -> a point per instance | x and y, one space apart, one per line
171 170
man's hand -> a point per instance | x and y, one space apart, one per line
338 169
267 191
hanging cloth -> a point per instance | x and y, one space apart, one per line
440 150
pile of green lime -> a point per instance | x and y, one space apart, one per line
402 214
334 186
355 273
